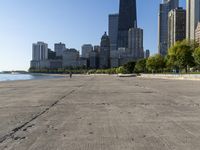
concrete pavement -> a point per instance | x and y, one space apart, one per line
173 76
100 113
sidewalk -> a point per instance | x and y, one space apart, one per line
172 76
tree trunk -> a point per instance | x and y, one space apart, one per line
186 69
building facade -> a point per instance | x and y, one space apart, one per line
94 60
86 49
51 54
59 48
164 9
147 54
104 56
70 58
44 58
135 43
113 31
114 59
176 26
127 19
50 64
97 48
39 51
193 17
197 33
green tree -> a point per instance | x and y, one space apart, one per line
129 67
121 70
140 66
155 63
197 56
180 55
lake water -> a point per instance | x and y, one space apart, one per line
13 77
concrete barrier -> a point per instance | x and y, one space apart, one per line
127 75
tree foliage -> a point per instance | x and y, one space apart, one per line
129 67
140 66
180 55
121 70
197 56
155 63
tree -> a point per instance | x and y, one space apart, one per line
140 66
180 55
155 63
121 70
197 56
130 66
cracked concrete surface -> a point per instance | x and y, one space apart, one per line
100 113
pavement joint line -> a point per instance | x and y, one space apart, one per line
15 130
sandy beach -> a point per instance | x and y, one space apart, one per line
100 113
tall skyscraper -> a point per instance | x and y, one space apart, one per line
193 17
135 43
113 31
104 57
127 20
176 26
39 54
165 8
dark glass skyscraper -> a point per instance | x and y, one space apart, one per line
165 8
127 20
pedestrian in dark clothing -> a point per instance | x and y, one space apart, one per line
70 74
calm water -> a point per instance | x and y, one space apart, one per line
13 77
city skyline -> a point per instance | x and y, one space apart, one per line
19 58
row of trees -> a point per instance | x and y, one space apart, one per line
127 68
181 57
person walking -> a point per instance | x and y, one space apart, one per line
70 74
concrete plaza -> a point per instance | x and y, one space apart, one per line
100 113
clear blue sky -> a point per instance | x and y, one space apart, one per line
74 22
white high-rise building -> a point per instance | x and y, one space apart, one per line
193 17
40 51
86 49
